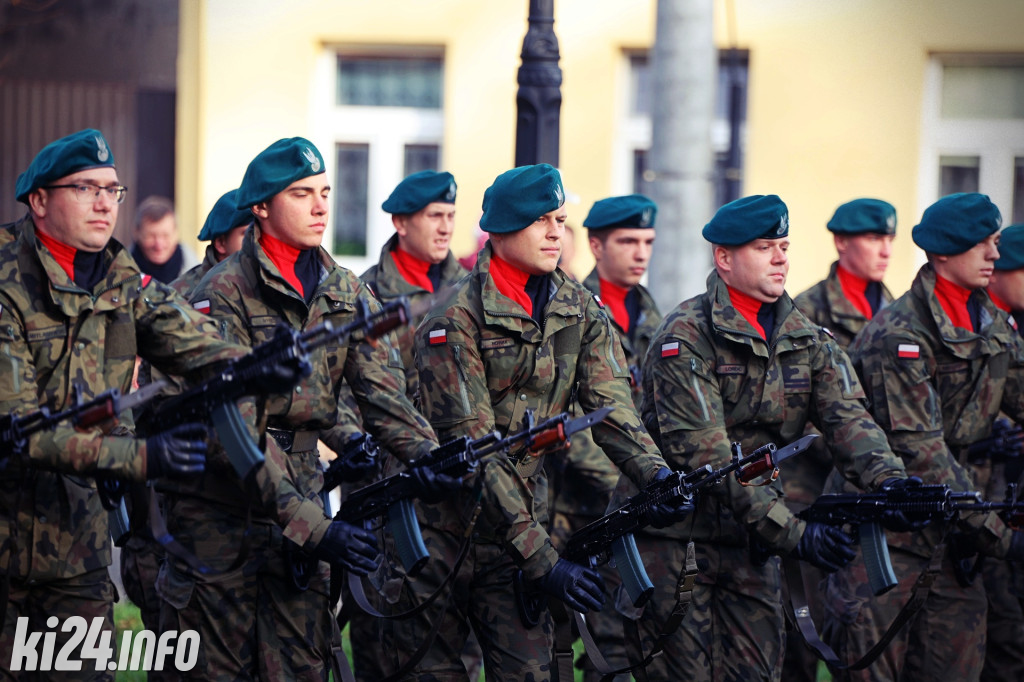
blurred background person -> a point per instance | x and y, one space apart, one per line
157 248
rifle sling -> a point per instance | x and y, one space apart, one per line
801 613
634 645
355 585
158 529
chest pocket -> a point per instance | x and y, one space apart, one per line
11 367
732 376
120 337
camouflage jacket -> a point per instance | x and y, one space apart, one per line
585 484
494 363
826 305
936 389
710 379
388 284
53 334
248 298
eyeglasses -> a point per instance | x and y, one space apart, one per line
91 193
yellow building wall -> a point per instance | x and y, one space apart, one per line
834 99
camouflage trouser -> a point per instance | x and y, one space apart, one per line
605 625
482 599
733 631
944 641
1004 646
90 596
253 623
140 565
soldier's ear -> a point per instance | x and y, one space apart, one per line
723 258
261 210
38 200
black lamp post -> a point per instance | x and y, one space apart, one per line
539 99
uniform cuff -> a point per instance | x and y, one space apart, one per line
307 526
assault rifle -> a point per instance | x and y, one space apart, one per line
611 536
276 365
15 431
919 503
360 452
393 495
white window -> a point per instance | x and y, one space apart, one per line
973 130
382 108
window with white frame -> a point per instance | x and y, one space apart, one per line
973 130
727 132
382 107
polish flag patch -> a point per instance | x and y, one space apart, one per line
909 350
202 306
600 303
146 280
1013 322
669 350
438 336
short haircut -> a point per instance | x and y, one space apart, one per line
152 209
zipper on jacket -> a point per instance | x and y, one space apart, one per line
841 367
696 389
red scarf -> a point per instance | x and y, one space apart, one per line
511 282
748 307
854 288
62 253
1000 303
412 269
953 299
284 257
614 297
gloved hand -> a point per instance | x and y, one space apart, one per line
580 587
1016 552
668 513
827 547
434 487
357 459
177 452
895 520
1005 444
349 546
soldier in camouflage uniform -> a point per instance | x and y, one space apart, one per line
1004 657
843 302
621 237
141 555
74 310
742 364
415 262
937 365
515 335
255 616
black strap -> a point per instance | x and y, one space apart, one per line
801 612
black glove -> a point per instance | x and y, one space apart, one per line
177 452
895 520
349 546
357 460
668 513
579 587
827 547
1016 551
434 487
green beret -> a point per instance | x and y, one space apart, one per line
744 220
1011 248
956 223
520 196
276 167
864 215
224 217
78 151
420 189
634 210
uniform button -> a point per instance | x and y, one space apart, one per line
114 299
42 519
80 345
298 389
522 397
